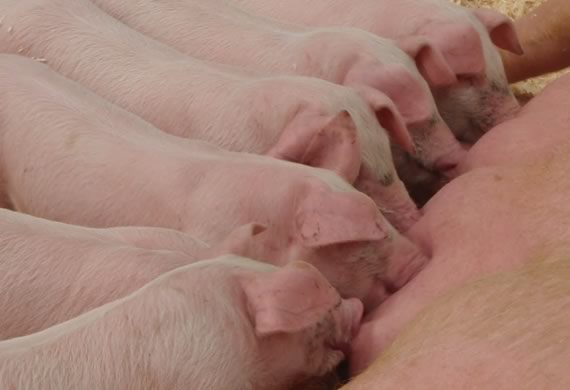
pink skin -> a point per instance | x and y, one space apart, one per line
300 119
42 261
221 33
466 38
507 331
101 166
516 188
251 325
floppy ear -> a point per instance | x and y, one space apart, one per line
388 116
287 300
323 141
329 218
460 44
409 94
429 60
501 29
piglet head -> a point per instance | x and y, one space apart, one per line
481 98
302 325
434 150
346 237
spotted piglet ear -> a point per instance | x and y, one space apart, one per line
323 141
288 300
429 60
328 218
501 29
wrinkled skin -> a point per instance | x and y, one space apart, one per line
481 99
224 323
300 119
508 208
218 32
508 331
100 166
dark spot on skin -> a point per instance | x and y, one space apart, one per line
330 381
71 140
501 88
432 122
497 177
477 127
322 331
421 183
387 179
343 372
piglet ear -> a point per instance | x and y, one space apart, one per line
388 116
287 300
323 141
460 44
240 241
429 60
329 218
410 94
501 29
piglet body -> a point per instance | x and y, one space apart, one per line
225 323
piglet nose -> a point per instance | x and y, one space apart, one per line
447 164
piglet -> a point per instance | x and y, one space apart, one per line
225 323
509 209
468 38
100 166
508 331
222 33
300 119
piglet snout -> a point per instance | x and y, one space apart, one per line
447 164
